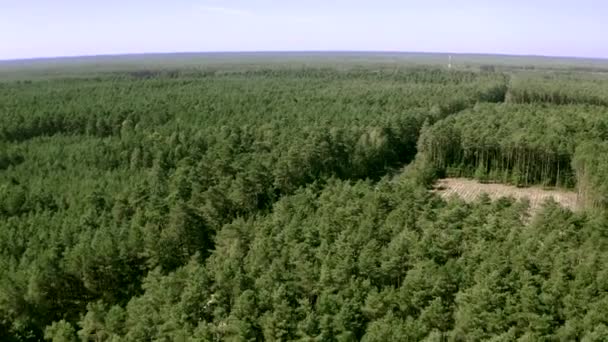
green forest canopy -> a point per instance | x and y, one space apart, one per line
518 144
271 203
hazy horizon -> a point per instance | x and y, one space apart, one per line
46 29
303 52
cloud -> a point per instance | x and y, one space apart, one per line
225 10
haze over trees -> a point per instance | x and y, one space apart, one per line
286 202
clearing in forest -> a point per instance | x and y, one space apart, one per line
469 190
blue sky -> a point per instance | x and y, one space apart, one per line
39 28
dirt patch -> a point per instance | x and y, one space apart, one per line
470 190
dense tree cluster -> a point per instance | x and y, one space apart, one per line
376 262
518 144
591 165
106 179
268 203
559 89
99 106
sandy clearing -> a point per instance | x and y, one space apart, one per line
470 190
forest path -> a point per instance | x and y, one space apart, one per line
469 190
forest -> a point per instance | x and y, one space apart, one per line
296 202
518 144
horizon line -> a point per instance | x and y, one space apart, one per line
235 52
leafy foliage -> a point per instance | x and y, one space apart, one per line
518 144
268 204
559 89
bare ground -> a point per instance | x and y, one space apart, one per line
470 190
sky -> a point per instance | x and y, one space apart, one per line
51 28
